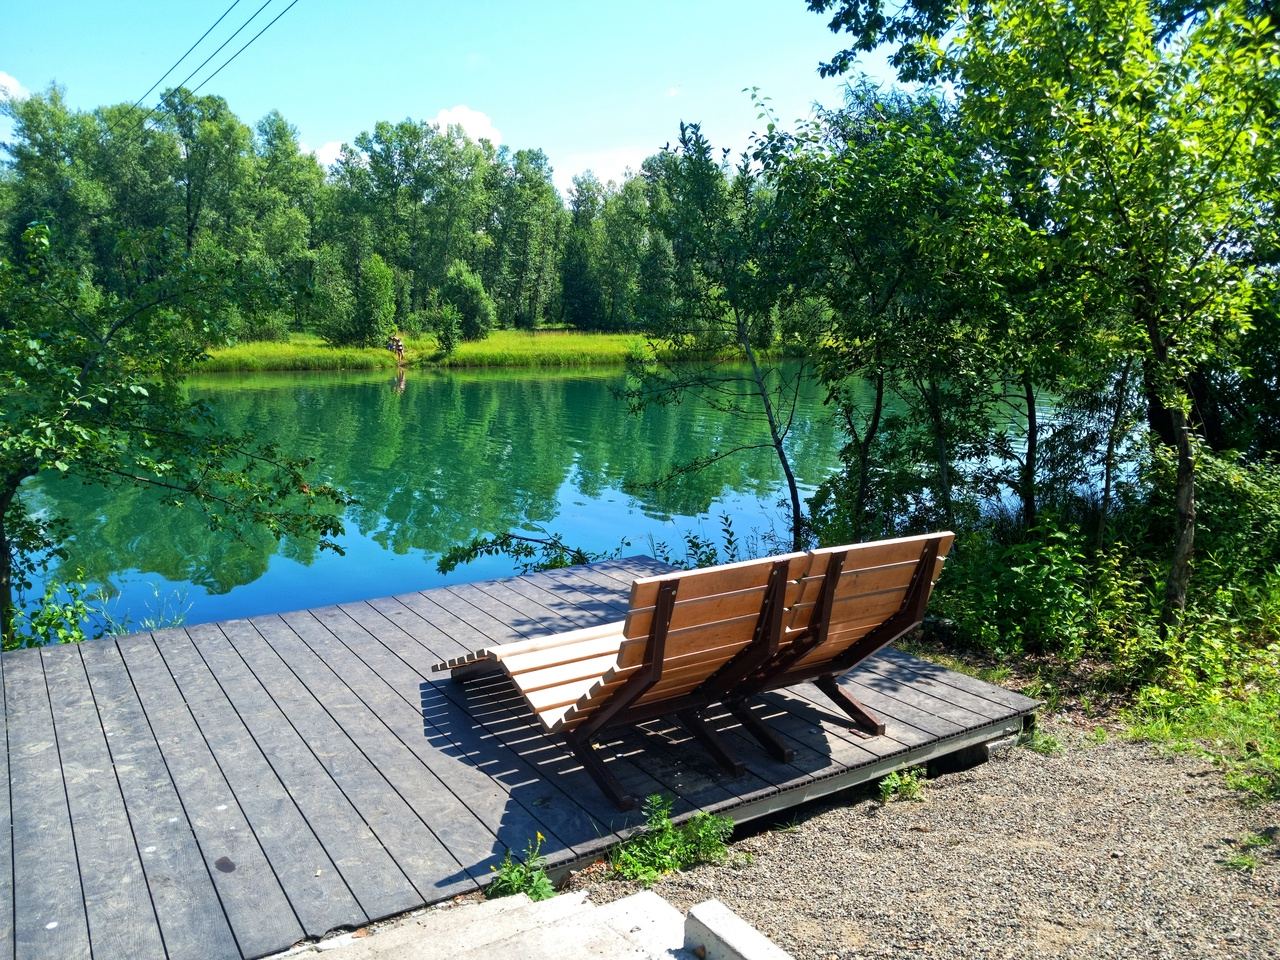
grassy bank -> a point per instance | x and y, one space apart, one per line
503 348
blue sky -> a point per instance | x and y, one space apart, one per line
596 85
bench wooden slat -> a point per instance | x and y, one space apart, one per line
749 625
536 660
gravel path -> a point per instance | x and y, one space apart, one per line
1114 849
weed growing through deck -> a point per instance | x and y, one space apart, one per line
903 785
529 877
662 847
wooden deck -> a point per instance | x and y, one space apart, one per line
230 789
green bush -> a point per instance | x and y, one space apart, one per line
529 877
662 847
465 291
448 328
1028 596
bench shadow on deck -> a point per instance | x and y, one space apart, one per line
228 789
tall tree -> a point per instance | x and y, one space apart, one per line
92 389
581 298
1141 138
723 310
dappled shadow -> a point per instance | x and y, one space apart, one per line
485 723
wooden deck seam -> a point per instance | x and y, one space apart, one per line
357 749
511 708
115 775
204 855
444 734
356 745
280 780
228 780
66 796
336 786
395 737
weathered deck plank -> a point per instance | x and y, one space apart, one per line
369 871
417 851
220 791
48 903
192 921
451 722
117 904
310 881
256 906
432 803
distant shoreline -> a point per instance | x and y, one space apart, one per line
502 348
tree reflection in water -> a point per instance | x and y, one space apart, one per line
433 461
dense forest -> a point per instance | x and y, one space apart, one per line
1084 223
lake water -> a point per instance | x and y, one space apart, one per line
434 461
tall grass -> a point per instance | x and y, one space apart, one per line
517 348
503 348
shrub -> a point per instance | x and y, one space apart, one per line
464 290
529 877
661 847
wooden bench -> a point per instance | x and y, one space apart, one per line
721 635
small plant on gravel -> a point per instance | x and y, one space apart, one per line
529 877
1241 861
903 785
1245 858
662 847
1041 742
1099 735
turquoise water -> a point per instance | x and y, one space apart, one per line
433 461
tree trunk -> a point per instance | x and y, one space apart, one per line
933 401
864 455
1175 589
7 493
1170 423
1027 482
799 531
1109 464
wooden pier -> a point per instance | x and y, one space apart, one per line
229 789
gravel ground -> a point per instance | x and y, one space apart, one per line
1114 849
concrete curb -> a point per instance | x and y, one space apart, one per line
714 932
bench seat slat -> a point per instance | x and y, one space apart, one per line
714 615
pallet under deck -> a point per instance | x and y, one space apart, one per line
229 789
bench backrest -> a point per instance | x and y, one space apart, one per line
716 610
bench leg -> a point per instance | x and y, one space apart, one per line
607 782
695 724
757 728
865 720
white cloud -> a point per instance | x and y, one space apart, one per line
326 153
9 86
673 91
610 164
478 125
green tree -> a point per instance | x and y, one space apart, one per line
520 265
581 297
464 291
723 305
92 389
1136 139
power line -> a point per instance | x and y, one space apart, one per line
138 102
246 46
185 100
228 40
